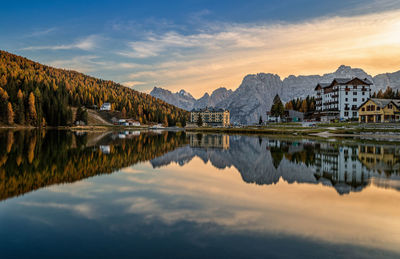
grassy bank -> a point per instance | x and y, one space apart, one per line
352 130
259 130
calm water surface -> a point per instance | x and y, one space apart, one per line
177 195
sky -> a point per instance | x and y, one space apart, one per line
200 45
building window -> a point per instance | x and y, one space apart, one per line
347 93
378 108
363 93
354 93
390 106
346 99
354 114
363 109
354 87
346 113
354 99
362 99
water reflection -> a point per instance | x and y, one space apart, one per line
347 167
32 159
188 195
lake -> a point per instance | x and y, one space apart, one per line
164 194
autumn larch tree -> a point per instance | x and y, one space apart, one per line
32 109
10 114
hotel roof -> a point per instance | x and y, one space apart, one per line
210 109
343 81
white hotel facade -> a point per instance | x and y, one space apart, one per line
341 98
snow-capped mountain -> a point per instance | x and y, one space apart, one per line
255 94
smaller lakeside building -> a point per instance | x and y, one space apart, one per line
288 116
211 117
105 107
377 110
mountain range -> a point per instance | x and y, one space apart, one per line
271 160
255 94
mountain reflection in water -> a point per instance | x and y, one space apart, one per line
346 167
33 159
180 195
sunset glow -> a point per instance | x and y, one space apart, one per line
205 50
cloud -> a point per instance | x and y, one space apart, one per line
43 32
85 63
225 53
133 83
84 210
88 43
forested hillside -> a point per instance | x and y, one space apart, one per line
39 95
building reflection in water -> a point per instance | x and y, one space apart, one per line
346 167
380 158
209 141
341 166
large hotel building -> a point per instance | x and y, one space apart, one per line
341 98
211 116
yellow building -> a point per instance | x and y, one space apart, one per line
211 116
379 110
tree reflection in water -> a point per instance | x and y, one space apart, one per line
32 159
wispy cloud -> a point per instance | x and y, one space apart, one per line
39 33
88 43
133 83
84 210
85 63
227 52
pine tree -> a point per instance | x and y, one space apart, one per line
304 107
3 104
81 115
165 121
32 109
289 105
260 121
20 111
3 81
200 121
10 114
277 108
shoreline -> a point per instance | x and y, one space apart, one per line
294 130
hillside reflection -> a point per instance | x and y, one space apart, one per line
32 159
346 167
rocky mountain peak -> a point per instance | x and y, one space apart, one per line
184 93
255 94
